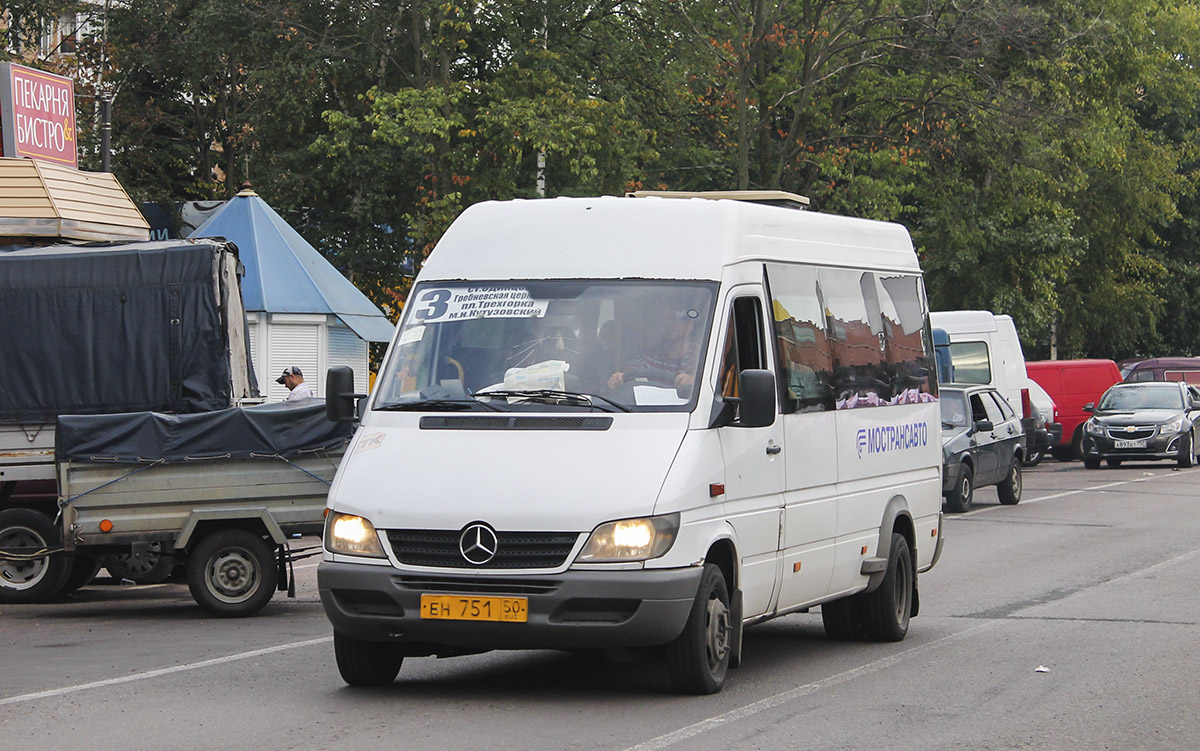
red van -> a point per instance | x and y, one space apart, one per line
1072 384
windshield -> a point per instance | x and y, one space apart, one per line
1141 397
591 345
954 408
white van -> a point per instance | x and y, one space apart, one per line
639 422
985 349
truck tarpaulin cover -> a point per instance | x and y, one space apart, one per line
283 429
118 328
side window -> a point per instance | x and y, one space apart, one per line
907 348
850 301
744 348
972 363
1140 375
978 409
992 409
802 343
1002 404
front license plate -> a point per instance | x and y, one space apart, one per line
456 608
1120 444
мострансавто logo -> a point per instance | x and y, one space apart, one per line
892 438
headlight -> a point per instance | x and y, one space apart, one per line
1094 427
351 535
631 539
1170 427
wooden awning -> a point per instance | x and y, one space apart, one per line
39 200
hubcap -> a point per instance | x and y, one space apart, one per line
717 632
232 576
22 574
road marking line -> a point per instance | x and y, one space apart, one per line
163 671
1066 493
741 713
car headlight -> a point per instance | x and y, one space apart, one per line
631 539
351 535
1171 427
1094 427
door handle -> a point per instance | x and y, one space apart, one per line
772 450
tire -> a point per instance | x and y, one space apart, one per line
843 619
1091 462
34 580
1034 458
1077 444
140 568
960 499
1186 449
1062 453
366 663
232 573
1010 488
698 658
83 569
1113 462
886 611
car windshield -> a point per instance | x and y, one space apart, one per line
954 408
576 345
1141 397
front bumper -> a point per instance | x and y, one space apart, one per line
951 473
1157 447
571 610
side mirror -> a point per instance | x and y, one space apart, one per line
1089 407
1195 403
340 399
757 389
984 426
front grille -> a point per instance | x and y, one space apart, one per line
1124 434
484 585
436 547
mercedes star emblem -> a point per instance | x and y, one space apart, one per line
477 543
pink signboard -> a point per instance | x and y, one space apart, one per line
37 115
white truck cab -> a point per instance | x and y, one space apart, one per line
639 422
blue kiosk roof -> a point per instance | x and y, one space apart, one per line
284 274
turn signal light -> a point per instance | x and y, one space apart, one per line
106 525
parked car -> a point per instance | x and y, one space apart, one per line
982 444
1047 428
1072 384
1142 422
1185 369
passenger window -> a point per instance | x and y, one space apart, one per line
1006 412
907 348
801 341
978 410
744 347
992 409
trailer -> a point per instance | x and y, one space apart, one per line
221 494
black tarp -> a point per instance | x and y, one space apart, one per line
112 328
284 429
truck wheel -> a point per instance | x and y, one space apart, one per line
36 579
886 611
148 567
84 568
1009 488
232 573
843 619
960 498
698 658
366 663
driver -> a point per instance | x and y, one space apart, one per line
672 361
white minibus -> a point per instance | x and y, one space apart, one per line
639 422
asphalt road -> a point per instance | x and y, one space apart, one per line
1066 622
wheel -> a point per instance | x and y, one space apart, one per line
147 567
1009 489
84 568
1077 444
35 579
843 619
963 494
886 611
699 657
232 573
366 663
1091 462
1185 452
1113 462
1062 453
1034 458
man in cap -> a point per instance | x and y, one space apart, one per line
294 380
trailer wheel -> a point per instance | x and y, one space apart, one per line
232 573
83 569
36 579
149 567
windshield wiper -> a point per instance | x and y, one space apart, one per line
434 404
554 394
